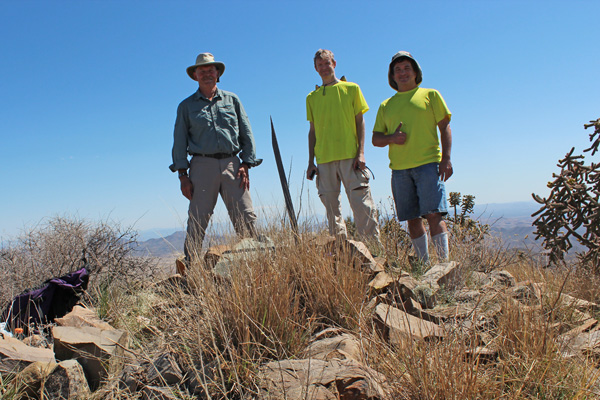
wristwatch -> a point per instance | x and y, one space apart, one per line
182 173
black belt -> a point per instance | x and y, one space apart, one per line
218 156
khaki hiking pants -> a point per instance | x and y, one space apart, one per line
356 183
211 177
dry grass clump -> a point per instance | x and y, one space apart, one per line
268 309
531 364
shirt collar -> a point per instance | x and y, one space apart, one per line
199 95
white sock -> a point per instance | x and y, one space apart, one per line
420 245
440 242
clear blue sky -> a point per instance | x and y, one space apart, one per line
89 89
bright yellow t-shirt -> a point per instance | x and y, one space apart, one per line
419 110
332 110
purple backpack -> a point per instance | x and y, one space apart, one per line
53 299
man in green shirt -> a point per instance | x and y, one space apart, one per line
336 138
213 128
408 123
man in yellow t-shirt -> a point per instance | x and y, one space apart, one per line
337 139
408 122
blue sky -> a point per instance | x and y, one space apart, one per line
89 90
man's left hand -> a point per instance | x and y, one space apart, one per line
359 162
244 177
445 169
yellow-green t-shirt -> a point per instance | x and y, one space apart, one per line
419 110
332 110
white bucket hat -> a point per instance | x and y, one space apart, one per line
205 59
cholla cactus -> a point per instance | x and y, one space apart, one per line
454 201
571 210
463 227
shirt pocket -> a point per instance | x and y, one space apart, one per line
201 118
228 116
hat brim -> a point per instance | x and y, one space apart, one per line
219 65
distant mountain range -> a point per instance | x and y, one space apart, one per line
509 221
167 246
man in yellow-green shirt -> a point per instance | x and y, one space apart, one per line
408 123
336 139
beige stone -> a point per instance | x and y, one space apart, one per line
574 344
502 279
343 347
158 393
443 275
164 370
94 348
482 354
401 326
67 381
30 381
16 355
318 379
214 254
381 281
406 287
82 316
353 252
580 304
360 250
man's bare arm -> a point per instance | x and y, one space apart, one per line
446 170
359 160
380 139
312 141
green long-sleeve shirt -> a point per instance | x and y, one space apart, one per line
212 126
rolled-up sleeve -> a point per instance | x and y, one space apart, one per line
248 147
180 140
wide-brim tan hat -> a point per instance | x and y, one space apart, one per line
205 59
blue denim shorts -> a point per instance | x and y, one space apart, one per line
419 192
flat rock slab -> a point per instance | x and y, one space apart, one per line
482 354
585 342
342 347
320 380
580 304
400 326
244 249
353 252
16 355
454 311
158 393
381 281
81 316
92 347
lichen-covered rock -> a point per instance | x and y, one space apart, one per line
67 381
342 347
318 379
